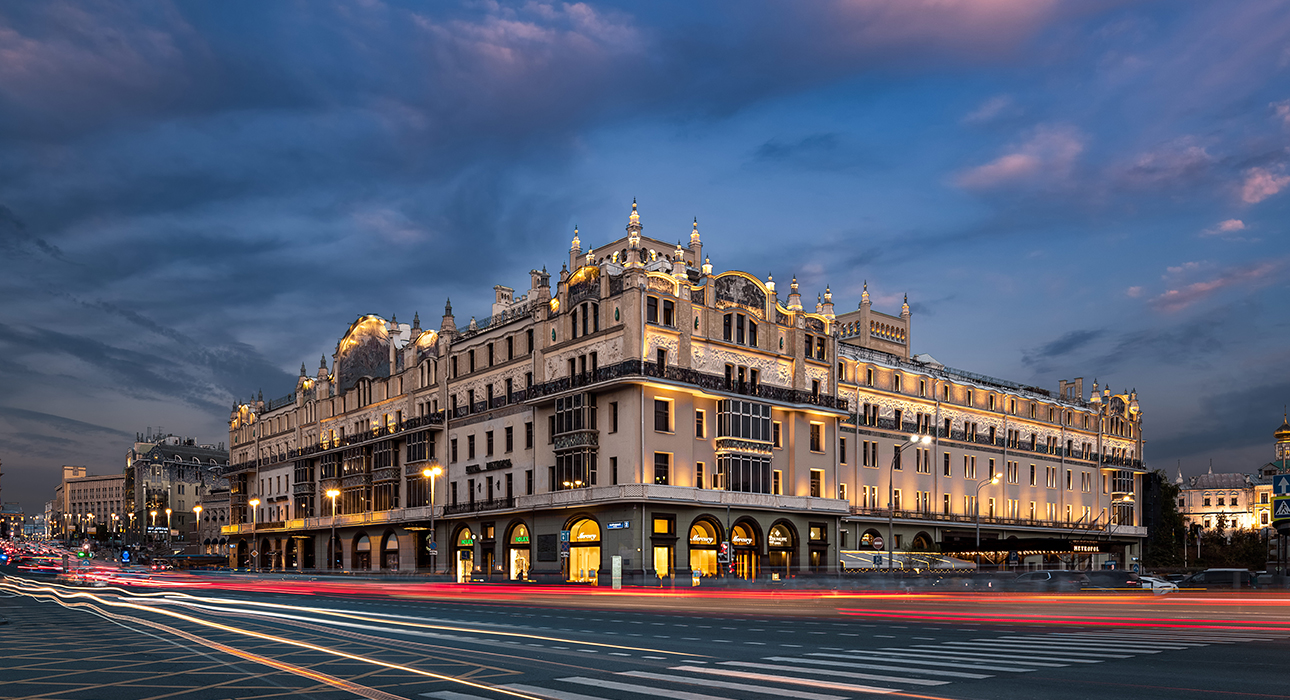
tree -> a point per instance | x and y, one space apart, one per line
1165 525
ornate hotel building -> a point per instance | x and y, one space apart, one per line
642 409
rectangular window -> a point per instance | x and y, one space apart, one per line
528 481
946 467
662 416
662 468
669 313
1032 475
817 483
613 416
470 447
528 435
727 327
777 482
453 446
651 309
817 437
699 431
775 434
698 475
613 471
945 504
1070 480
488 443
510 438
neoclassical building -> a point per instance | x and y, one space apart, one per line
1234 500
641 412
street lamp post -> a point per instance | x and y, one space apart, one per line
891 490
254 503
976 501
168 544
151 530
197 527
331 546
430 473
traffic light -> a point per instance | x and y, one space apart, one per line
723 553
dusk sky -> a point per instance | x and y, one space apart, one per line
195 198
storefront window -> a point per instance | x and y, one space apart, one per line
584 551
518 553
703 549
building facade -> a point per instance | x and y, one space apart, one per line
642 409
169 472
1235 501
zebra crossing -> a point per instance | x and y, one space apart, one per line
839 675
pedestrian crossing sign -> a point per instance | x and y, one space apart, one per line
1281 508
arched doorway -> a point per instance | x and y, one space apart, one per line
518 544
390 551
922 542
266 554
781 545
243 555
584 551
292 559
871 539
704 540
362 559
464 550
743 540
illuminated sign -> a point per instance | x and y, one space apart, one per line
585 536
741 539
521 539
467 542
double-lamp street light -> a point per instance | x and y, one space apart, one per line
430 473
891 488
976 501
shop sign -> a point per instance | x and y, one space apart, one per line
741 540
521 539
702 538
467 542
779 538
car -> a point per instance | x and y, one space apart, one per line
1221 578
1158 585
1118 579
1054 580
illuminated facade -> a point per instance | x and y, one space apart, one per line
170 472
1235 501
645 407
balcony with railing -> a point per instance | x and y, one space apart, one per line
479 506
713 382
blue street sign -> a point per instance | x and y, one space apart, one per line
564 535
1280 508
619 525
1281 485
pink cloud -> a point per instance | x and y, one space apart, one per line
1048 153
1249 276
1282 111
990 110
1261 183
1133 292
1225 228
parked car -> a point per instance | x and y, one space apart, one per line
1115 579
1221 578
1158 585
1055 580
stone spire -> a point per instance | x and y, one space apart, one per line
864 295
449 325
827 308
416 321
302 369
707 266
694 235
819 303
794 296
634 226
904 308
576 246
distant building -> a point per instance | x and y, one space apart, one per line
213 517
93 504
1234 500
11 520
168 471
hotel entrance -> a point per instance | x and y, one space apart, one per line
703 548
781 543
744 541
584 551
464 549
517 553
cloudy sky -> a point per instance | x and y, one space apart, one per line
197 197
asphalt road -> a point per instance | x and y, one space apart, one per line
217 639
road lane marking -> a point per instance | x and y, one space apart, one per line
831 672
728 685
766 677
